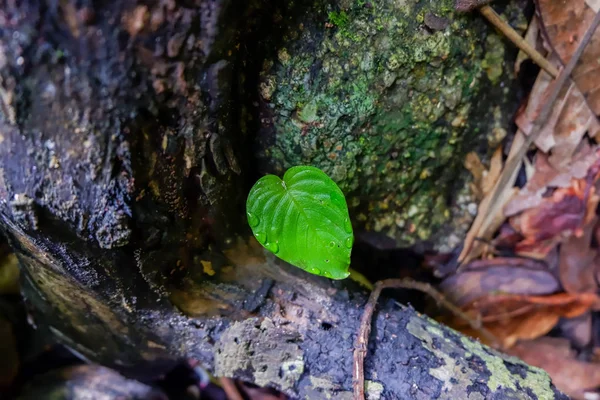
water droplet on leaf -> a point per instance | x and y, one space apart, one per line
347 225
253 220
261 237
349 242
272 247
316 271
327 274
332 244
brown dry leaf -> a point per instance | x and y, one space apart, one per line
490 176
499 276
578 262
484 179
532 325
474 165
516 317
490 216
565 23
570 119
557 358
498 307
564 213
546 176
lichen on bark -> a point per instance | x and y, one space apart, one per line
379 95
469 367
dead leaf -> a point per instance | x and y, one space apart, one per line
465 287
474 165
484 179
519 317
498 307
570 119
556 357
490 176
577 262
564 213
490 216
533 325
546 176
565 23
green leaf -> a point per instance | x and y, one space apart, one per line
303 219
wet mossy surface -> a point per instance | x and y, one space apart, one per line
386 97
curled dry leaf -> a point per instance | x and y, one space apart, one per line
556 357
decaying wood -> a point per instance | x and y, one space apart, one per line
122 181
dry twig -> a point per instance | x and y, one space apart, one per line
515 158
491 15
362 340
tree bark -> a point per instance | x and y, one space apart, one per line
87 382
124 165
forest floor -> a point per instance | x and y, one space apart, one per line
528 272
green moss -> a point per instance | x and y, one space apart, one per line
494 58
382 105
339 19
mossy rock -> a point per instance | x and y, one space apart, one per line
386 97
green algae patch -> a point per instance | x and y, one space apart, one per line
382 103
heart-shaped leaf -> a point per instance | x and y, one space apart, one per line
303 219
